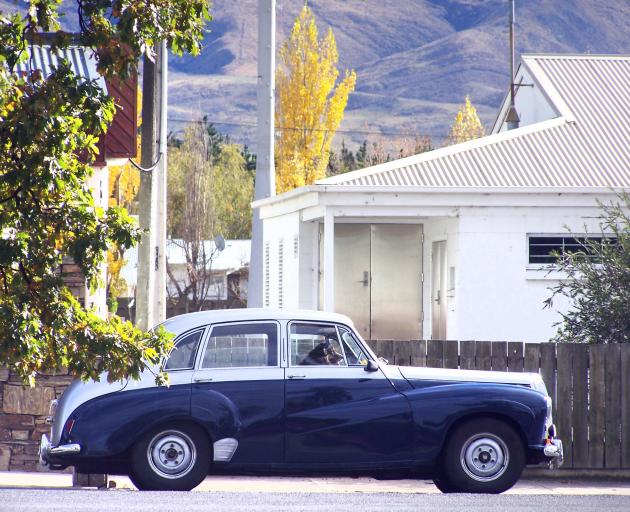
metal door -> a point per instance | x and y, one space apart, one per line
378 278
396 292
352 274
438 291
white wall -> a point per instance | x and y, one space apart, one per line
530 102
99 184
500 296
497 295
308 282
282 293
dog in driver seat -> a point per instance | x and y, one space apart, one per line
324 353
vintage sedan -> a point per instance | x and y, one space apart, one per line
261 391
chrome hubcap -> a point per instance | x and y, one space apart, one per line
171 454
484 457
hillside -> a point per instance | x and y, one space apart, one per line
415 59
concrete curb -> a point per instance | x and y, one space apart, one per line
615 475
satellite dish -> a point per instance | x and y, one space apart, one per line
219 242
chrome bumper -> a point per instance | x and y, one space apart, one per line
47 451
555 453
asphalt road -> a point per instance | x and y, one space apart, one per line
52 500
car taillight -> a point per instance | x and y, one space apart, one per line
69 425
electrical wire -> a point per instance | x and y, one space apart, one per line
293 128
147 169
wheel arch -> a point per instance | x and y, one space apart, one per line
508 420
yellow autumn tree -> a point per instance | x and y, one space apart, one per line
124 184
310 103
466 126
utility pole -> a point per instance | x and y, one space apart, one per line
151 283
265 185
146 251
161 180
512 119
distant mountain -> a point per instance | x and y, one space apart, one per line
415 59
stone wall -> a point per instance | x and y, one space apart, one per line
23 412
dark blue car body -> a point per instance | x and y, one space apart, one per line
294 418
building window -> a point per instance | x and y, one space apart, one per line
544 249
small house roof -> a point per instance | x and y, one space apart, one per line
235 256
586 145
43 58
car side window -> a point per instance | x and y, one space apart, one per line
182 357
354 353
315 344
242 345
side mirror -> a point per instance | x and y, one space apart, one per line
371 366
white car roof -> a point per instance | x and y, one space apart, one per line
181 323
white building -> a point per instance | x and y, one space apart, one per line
451 243
220 265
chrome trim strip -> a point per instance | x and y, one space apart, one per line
224 449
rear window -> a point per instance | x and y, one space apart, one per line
183 354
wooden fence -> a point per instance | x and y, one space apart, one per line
589 384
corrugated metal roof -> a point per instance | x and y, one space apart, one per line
589 146
43 58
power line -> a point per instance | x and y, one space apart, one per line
294 128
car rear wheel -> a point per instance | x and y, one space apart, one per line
482 456
170 458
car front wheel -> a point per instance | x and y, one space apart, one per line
174 458
482 456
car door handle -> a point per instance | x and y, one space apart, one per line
296 377
202 379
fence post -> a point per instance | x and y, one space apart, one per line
483 358
548 371
467 355
419 353
515 356
625 405
532 357
402 352
565 399
597 399
435 353
451 354
580 405
612 444
499 356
